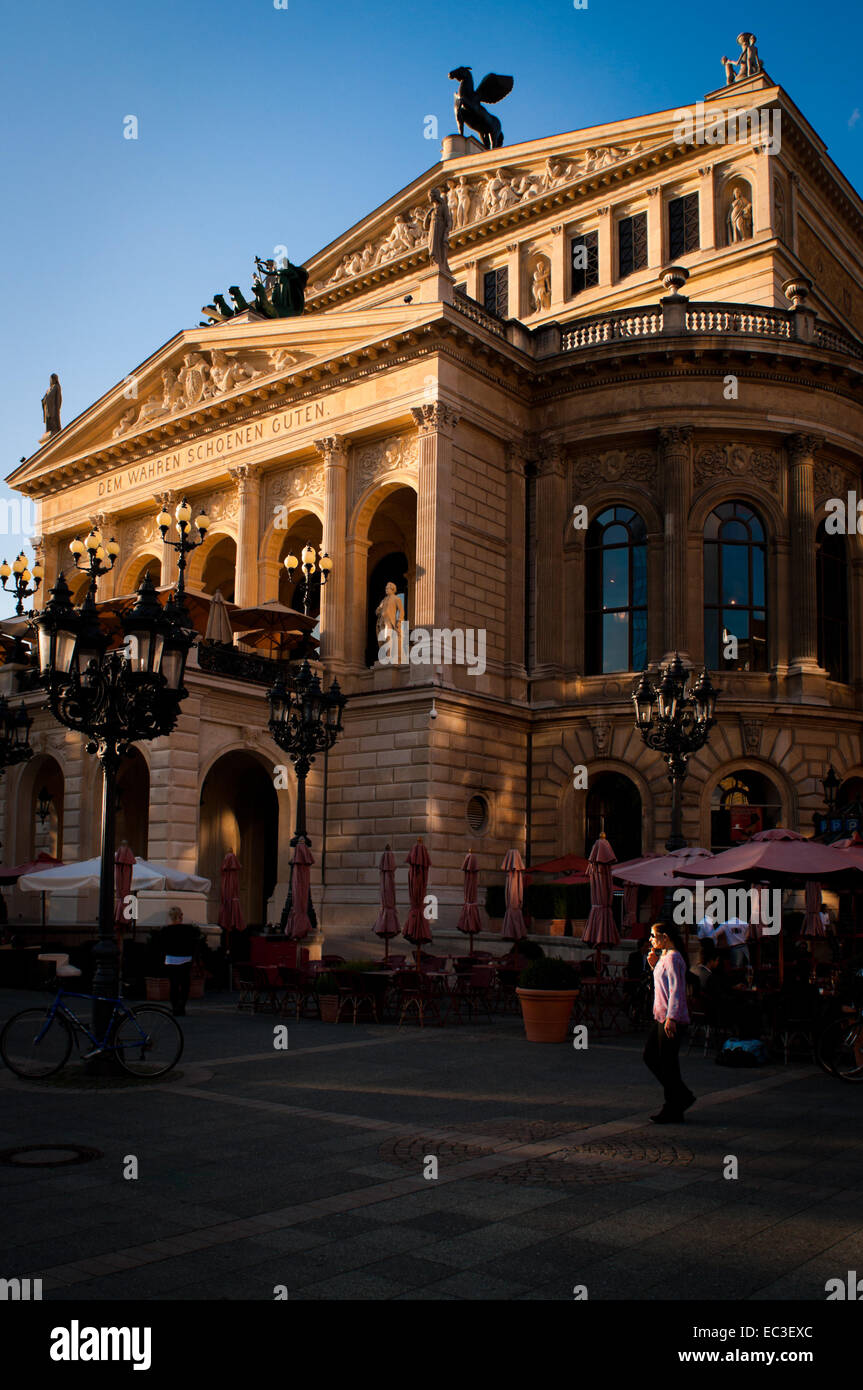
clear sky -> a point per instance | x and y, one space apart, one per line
260 126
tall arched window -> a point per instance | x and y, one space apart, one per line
832 590
616 592
735 589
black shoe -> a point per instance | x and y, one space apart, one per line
667 1117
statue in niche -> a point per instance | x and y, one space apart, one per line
463 202
438 230
540 287
739 219
390 614
51 403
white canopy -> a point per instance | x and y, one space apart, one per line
80 878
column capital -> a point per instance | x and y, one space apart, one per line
549 455
245 473
165 500
436 418
520 451
674 438
802 447
104 521
333 449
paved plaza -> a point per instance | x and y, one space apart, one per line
304 1169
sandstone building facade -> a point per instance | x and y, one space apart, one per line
555 447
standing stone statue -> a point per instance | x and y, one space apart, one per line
438 231
289 292
749 60
730 70
540 288
390 614
739 217
51 402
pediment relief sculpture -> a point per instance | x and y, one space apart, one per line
474 198
372 461
199 377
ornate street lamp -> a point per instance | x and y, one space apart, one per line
675 718
44 802
21 574
94 556
14 734
309 557
831 784
116 698
185 545
304 720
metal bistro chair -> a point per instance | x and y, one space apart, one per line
358 993
413 992
298 989
245 982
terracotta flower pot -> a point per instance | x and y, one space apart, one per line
546 1013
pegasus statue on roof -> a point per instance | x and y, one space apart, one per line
469 111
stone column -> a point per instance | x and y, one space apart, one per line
675 456
168 501
436 424
550 520
707 209
762 190
605 250
516 457
803 654
655 244
334 451
559 268
247 477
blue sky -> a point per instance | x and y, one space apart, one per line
260 126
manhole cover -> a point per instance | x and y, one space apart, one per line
48 1155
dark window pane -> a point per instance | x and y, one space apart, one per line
632 243
683 225
496 291
615 642
616 535
711 573
584 258
758 597
639 640
639 576
711 637
734 531
615 586
735 573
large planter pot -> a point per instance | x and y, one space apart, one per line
546 1013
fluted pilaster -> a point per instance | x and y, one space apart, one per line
334 451
801 517
436 424
247 477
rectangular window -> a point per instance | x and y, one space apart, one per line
682 225
584 257
632 244
495 287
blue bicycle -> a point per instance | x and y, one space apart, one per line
36 1043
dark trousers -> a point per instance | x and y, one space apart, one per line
180 979
662 1056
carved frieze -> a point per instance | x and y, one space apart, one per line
140 532
222 506
831 480
614 465
736 460
305 481
752 731
374 461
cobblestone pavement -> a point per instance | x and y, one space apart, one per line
305 1168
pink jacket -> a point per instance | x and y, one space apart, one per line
669 988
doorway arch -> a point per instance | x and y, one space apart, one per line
614 807
239 812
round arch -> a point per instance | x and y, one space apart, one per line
145 560
197 562
787 813
738 489
368 503
32 836
572 821
239 813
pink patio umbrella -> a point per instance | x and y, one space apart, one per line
599 929
469 920
298 925
812 924
230 913
123 862
513 928
416 928
773 855
387 924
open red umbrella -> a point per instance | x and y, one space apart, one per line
230 912
124 860
298 924
600 929
387 924
416 927
469 920
774 855
566 864
513 919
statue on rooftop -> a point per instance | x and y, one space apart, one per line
51 402
468 108
747 65
439 224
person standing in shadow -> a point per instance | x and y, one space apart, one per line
670 1017
180 941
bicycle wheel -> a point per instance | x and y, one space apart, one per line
840 1049
148 1042
28 1051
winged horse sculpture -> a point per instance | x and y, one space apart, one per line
468 110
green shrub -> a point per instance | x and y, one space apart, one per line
552 972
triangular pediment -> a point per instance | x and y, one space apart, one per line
200 374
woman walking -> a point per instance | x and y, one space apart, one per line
670 1014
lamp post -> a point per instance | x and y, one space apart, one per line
831 784
185 545
675 718
14 734
94 556
309 557
21 573
116 698
304 720
44 802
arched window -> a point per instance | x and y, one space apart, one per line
735 589
616 592
614 809
391 569
832 592
742 804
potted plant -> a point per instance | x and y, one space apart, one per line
547 990
328 997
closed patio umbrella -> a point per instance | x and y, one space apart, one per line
124 860
600 929
513 928
298 924
387 924
416 927
230 913
219 622
469 920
